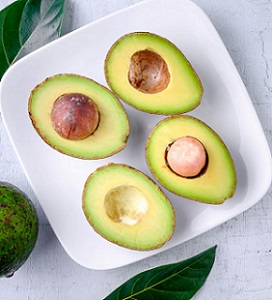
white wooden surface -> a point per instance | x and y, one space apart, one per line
243 267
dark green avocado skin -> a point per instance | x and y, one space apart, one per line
18 228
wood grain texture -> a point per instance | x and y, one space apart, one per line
243 266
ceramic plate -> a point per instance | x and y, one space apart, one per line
58 180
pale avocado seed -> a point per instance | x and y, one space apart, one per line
74 116
125 204
148 72
187 156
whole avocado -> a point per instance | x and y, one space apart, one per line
18 228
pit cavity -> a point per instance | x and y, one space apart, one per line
187 157
74 116
125 204
148 72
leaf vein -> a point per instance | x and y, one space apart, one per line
2 41
164 280
36 28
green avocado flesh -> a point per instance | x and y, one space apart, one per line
18 228
127 208
113 129
184 90
215 184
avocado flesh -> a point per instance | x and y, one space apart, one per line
184 91
18 228
113 128
156 224
215 184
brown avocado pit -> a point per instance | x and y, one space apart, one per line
186 157
74 116
148 72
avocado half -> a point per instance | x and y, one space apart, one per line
127 208
217 180
111 133
18 228
151 74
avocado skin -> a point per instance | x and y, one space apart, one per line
18 228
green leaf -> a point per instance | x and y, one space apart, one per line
178 281
26 25
43 19
9 33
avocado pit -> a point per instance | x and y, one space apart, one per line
125 204
186 156
74 116
148 72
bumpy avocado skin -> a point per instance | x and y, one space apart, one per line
18 228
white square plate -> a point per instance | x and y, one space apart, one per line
58 180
